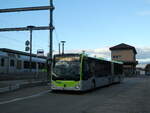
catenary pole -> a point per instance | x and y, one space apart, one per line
51 41
50 28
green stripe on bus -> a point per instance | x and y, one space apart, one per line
61 83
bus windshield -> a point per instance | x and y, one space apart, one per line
67 68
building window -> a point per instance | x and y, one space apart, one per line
2 62
119 56
114 56
12 63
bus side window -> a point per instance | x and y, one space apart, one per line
85 70
92 69
97 67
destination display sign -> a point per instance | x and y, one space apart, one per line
67 58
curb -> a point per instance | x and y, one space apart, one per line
22 85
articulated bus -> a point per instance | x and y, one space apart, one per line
79 72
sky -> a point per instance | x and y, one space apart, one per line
90 25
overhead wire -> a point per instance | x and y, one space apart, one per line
9 40
4 21
15 40
56 36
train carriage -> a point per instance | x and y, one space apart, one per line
18 62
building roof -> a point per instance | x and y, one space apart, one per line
20 52
123 46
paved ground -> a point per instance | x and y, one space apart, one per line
132 96
10 82
12 85
14 82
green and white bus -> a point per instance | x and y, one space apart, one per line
78 72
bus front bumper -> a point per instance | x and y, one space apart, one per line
65 88
66 85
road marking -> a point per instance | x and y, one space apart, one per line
24 98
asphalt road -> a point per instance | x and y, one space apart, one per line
131 96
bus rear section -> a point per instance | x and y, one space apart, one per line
66 72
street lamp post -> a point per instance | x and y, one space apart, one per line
59 48
63 43
30 28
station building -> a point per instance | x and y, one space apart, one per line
126 54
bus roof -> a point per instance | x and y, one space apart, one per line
67 54
103 59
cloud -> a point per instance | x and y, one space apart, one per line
144 61
143 53
100 52
147 1
143 13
